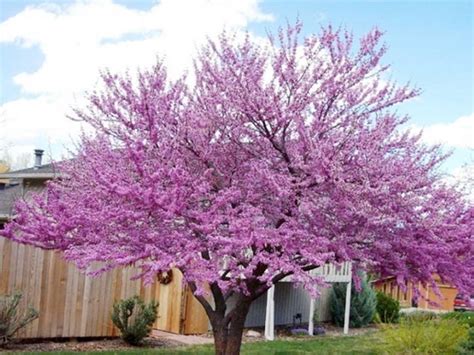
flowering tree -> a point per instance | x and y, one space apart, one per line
277 159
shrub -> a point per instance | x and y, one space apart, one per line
10 319
415 336
420 316
467 347
462 317
134 318
362 304
388 309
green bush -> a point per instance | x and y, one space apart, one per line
415 336
467 347
10 319
134 318
362 304
388 309
462 317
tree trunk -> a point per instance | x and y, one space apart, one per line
228 326
220 338
228 334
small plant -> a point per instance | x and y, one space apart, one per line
10 319
134 318
416 336
388 309
420 316
363 304
318 326
467 347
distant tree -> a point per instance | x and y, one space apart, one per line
3 167
14 162
277 159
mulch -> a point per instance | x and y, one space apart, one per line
79 345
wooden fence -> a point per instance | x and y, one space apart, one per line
71 304
390 287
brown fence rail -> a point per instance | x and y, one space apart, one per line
71 304
445 301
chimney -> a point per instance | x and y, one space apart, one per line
38 156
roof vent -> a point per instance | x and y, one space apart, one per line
38 157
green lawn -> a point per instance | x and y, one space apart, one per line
362 344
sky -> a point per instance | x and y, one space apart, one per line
51 53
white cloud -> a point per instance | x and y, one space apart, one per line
463 178
79 39
26 118
456 134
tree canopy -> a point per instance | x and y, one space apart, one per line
270 159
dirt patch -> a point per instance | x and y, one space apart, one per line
182 339
85 345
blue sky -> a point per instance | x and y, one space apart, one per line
431 45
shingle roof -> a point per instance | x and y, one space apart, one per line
46 168
13 185
46 171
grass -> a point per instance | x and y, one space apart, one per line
422 335
361 344
415 334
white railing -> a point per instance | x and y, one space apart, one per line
330 273
335 273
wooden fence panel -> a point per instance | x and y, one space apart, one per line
71 304
444 301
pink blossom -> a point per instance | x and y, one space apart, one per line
241 179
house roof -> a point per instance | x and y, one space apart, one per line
46 171
12 182
7 199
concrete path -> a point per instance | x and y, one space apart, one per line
182 339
